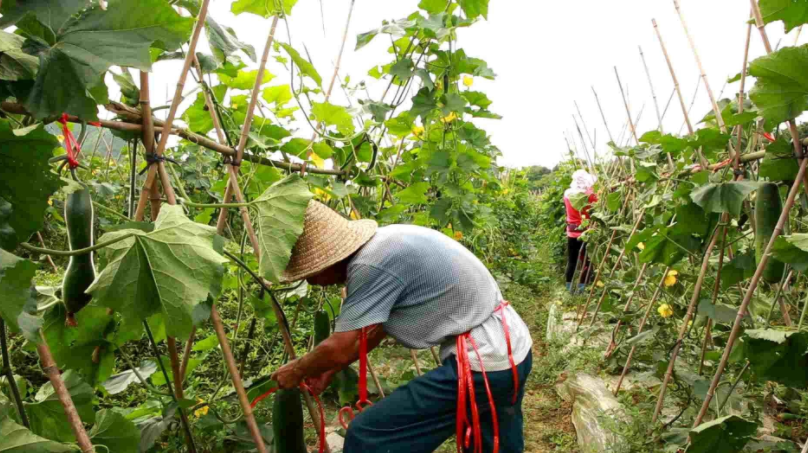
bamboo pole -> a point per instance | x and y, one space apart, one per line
583 123
739 128
716 289
673 76
640 329
628 113
52 371
719 119
736 328
691 309
47 257
685 111
656 102
415 361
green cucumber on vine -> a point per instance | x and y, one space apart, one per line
768 207
287 422
79 218
322 327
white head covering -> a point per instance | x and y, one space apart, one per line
582 182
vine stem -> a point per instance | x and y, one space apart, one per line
7 371
640 329
736 328
183 417
691 309
52 371
76 252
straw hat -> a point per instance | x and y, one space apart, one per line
327 239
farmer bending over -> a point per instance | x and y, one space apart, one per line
423 289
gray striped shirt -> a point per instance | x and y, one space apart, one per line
426 289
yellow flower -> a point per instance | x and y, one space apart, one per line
505 192
665 311
234 106
50 202
599 284
202 410
641 246
468 81
322 194
417 131
354 215
458 235
449 118
670 279
61 138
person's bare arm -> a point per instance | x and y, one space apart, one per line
335 353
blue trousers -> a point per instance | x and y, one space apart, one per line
419 416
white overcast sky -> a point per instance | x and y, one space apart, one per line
546 55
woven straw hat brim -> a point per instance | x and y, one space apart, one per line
327 239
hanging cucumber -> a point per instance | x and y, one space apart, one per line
287 422
768 207
322 327
81 269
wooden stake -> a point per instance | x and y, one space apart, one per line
52 371
739 128
656 102
47 257
626 307
415 361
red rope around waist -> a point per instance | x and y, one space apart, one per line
465 390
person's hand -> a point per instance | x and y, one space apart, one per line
318 384
288 376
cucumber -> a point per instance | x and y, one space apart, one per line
768 207
287 422
81 269
322 327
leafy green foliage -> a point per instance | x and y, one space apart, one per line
47 415
115 432
18 304
723 197
224 43
171 270
71 60
781 91
74 348
776 355
305 67
281 210
263 8
333 115
793 14
18 439
723 435
26 182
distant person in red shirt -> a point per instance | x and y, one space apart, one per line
581 186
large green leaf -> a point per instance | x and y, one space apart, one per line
18 439
414 194
793 13
777 355
475 8
223 41
26 182
115 432
281 210
433 6
73 348
781 91
47 415
80 51
263 8
786 252
723 197
245 80
333 115
198 116
172 270
18 301
120 382
668 248
739 269
14 63
724 435
305 67
279 95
